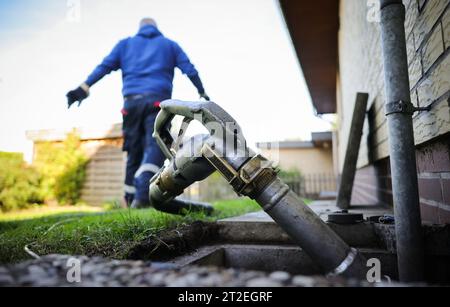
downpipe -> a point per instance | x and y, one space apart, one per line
249 175
399 111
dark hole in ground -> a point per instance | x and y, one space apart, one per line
270 258
204 243
169 244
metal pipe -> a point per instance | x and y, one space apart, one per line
399 111
318 240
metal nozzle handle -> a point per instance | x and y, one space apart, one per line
204 111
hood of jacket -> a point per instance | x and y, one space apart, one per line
149 31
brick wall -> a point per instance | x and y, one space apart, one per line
373 182
360 57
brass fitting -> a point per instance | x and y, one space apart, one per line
256 174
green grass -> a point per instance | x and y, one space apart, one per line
43 211
80 231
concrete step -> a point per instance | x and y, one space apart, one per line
374 239
258 227
270 258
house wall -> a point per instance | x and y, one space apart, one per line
316 160
361 70
105 171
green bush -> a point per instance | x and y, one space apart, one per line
59 173
63 167
19 183
290 174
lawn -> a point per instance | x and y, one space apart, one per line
91 231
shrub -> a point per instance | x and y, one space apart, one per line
63 167
19 183
290 174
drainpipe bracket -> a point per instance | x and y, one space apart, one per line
405 107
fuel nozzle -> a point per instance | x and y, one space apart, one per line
225 150
185 168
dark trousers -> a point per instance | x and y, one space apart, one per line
145 157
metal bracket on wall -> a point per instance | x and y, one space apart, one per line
405 107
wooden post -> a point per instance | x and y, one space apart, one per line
351 155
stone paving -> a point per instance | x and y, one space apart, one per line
321 207
52 270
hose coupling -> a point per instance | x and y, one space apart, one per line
348 261
167 185
252 177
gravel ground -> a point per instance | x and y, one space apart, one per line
53 270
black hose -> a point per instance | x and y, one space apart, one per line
183 207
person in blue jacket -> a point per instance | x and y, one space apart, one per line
147 61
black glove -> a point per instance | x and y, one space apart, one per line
78 94
204 96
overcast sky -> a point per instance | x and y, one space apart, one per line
241 48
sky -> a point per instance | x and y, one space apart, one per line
241 48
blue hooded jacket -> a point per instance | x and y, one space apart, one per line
148 61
